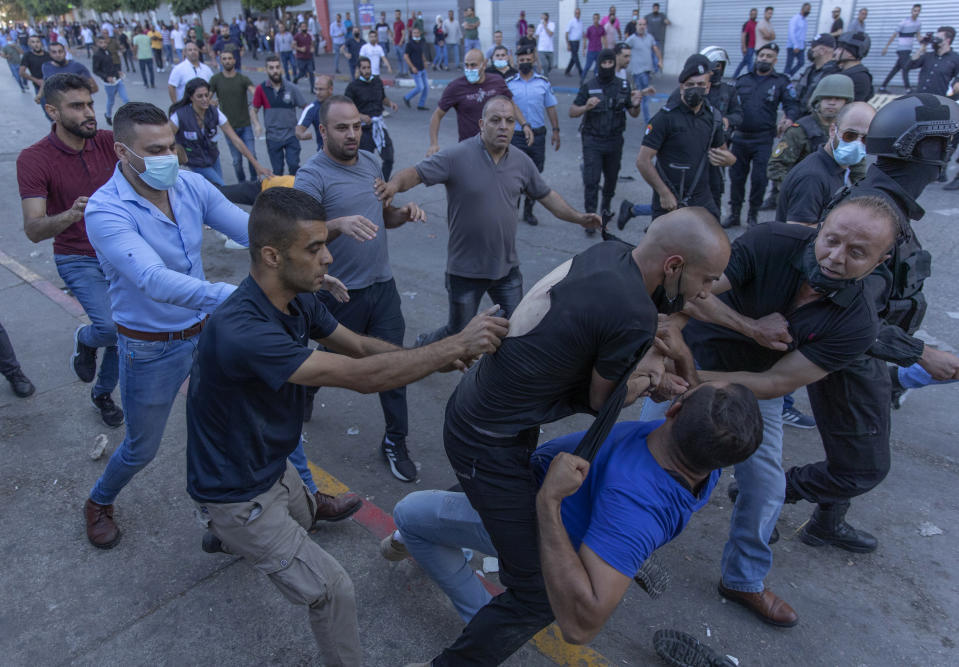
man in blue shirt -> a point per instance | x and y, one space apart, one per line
533 94
247 396
146 225
597 522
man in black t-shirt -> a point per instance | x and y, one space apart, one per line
789 309
369 96
31 65
246 399
569 347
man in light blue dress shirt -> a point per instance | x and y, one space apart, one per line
146 225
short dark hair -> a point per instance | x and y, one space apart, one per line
58 84
136 113
275 216
364 59
522 51
272 58
620 47
717 427
329 102
768 9
949 30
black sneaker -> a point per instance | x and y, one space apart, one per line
110 413
625 213
682 650
109 120
752 218
20 384
606 216
899 393
211 544
406 102
396 455
83 359
731 220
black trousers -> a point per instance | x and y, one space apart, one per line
752 153
501 487
601 156
851 407
903 59
8 359
375 311
536 152
574 58
367 144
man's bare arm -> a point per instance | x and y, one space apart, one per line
556 205
787 375
402 181
37 225
644 162
435 130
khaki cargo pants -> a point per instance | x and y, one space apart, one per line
270 533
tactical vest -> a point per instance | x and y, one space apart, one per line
815 135
608 118
199 143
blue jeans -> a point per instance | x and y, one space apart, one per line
289 67
747 557
915 376
278 149
746 63
213 173
146 67
401 63
436 526
454 49
305 68
470 44
246 136
422 87
168 53
179 54
640 81
794 60
151 373
112 90
84 278
336 56
15 70
442 57
591 57
298 459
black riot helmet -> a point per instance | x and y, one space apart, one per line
921 128
857 44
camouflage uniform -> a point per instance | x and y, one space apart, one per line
799 140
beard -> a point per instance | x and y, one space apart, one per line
277 78
79 130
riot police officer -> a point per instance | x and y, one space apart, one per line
851 48
761 92
821 55
603 102
806 135
912 138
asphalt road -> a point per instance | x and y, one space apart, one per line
157 599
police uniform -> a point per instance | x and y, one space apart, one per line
809 187
532 97
861 82
682 139
810 78
602 133
761 97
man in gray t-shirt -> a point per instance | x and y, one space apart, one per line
279 104
484 180
339 177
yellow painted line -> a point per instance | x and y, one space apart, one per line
548 641
25 274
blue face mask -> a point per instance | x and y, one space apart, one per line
848 153
160 171
472 75
500 64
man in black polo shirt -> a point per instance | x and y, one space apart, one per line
245 407
684 140
811 184
791 309
570 345
367 93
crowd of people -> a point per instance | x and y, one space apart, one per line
715 335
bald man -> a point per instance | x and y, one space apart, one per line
811 184
789 309
570 346
310 118
468 95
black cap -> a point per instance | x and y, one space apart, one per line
825 39
606 54
773 46
695 64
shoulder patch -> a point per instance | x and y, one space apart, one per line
780 147
649 128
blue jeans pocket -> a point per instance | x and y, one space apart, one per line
143 350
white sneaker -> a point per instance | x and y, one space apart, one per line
230 244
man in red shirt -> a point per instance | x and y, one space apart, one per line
399 38
747 43
56 176
303 45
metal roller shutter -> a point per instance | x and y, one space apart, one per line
506 14
624 11
883 20
722 24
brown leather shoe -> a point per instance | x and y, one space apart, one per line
768 606
330 508
102 530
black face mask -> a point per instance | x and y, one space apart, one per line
525 68
606 74
810 56
693 97
763 67
821 283
666 305
717 75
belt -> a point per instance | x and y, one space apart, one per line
160 336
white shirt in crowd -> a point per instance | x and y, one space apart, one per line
453 32
182 73
375 54
544 40
574 31
177 38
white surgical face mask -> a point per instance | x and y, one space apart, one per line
160 171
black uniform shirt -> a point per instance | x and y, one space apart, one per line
608 118
367 96
810 78
682 139
808 187
761 97
936 71
861 82
722 97
765 272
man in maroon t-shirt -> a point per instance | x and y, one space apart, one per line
468 94
56 176
747 43
303 46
